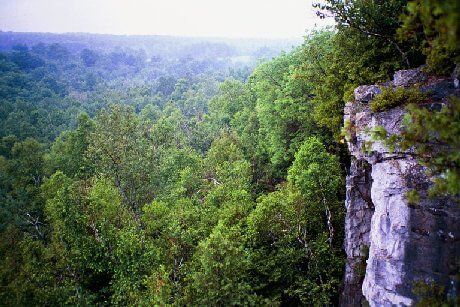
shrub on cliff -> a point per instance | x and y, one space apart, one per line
431 27
390 98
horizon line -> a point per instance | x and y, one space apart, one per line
161 35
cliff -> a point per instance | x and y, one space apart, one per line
389 242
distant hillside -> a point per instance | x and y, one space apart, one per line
153 45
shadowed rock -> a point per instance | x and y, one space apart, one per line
405 242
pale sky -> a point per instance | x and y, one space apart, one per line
222 18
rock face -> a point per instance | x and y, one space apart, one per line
389 242
409 77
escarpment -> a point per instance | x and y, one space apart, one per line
391 243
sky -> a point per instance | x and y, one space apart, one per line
212 18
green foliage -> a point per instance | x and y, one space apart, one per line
283 109
390 98
379 133
315 172
68 152
334 64
231 99
435 136
175 195
294 235
118 150
97 237
378 20
432 28
226 163
348 130
195 188
22 172
430 294
413 197
218 271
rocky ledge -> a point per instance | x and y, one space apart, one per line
390 243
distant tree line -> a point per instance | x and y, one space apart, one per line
190 181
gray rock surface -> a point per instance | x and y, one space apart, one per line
405 242
456 76
357 228
365 93
408 77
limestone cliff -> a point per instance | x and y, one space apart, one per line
389 242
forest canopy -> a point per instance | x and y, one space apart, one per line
132 179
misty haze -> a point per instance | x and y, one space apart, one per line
229 153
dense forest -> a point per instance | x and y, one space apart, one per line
130 177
